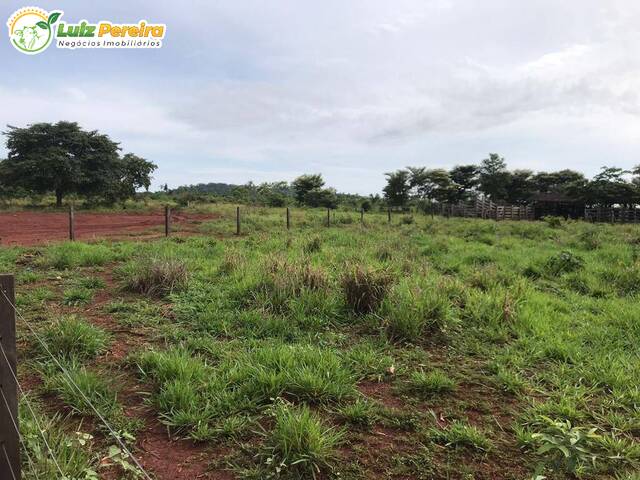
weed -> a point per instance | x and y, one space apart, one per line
156 277
364 289
460 434
76 296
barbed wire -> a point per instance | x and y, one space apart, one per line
72 383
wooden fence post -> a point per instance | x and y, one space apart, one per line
72 223
9 438
167 220
238 220
362 216
288 219
328 217
388 215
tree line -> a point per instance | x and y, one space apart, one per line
492 178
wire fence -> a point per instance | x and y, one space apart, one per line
72 384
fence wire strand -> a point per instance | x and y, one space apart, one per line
72 383
6 456
32 411
15 426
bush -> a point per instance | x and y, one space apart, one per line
407 220
563 262
365 289
156 277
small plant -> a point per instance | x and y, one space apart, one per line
428 384
566 446
72 338
553 222
76 296
564 262
92 283
156 277
312 246
299 444
364 289
460 434
361 413
407 220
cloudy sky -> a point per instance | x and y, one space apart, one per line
255 90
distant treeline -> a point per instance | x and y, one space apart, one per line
612 186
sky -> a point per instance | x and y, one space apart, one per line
264 91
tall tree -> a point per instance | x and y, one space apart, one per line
397 189
465 180
305 184
493 177
64 159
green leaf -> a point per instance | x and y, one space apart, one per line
53 17
43 25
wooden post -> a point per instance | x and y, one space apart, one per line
362 216
72 223
328 217
388 215
167 220
9 438
288 219
237 220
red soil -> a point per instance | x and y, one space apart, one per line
35 228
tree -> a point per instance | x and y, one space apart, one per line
304 185
434 184
64 159
519 187
397 189
493 177
465 180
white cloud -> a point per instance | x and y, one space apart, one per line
353 89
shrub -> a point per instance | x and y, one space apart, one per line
563 262
299 444
71 338
407 220
429 384
156 277
365 289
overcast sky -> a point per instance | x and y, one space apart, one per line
267 90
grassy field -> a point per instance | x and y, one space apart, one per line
425 349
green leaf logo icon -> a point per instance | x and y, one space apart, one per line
53 18
43 25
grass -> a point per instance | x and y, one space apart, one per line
366 327
299 444
72 338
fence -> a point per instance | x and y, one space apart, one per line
11 440
484 208
612 215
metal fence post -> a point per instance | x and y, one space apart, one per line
9 439
72 223
237 220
